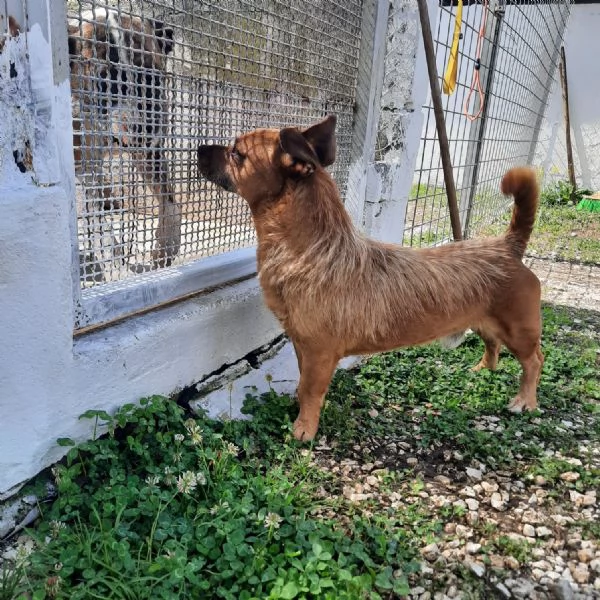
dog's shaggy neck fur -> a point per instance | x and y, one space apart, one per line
309 251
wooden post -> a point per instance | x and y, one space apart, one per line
436 99
565 98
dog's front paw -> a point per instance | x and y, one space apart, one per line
305 431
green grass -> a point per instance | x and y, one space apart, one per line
166 506
562 232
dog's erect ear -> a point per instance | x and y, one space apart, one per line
304 150
298 156
322 138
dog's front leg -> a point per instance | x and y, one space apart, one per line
316 370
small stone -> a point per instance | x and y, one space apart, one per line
468 491
477 568
595 565
581 573
585 555
528 530
543 531
521 587
373 413
450 528
472 504
496 501
372 480
488 487
474 473
430 552
463 531
576 498
443 480
570 476
562 590
539 480
589 499
496 561
412 461
503 590
510 562
472 548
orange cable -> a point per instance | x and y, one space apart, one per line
476 83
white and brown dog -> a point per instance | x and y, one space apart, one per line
118 81
118 76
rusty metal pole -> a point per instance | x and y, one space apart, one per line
436 99
565 98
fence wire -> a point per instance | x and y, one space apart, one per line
152 79
520 44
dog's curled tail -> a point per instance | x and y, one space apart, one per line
521 183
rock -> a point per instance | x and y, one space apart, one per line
543 531
562 590
510 562
412 461
570 476
521 587
468 491
496 501
464 531
450 528
496 561
472 504
585 555
489 488
472 548
443 480
581 573
528 530
430 552
477 568
474 473
589 499
503 590
539 480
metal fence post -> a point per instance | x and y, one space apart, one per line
477 132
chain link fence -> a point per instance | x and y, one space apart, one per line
152 79
506 65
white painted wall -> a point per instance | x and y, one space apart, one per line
48 377
583 72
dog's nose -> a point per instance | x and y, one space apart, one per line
206 156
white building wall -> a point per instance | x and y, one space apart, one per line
583 73
48 376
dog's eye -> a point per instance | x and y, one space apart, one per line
236 155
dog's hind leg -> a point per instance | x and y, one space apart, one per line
492 350
532 361
317 370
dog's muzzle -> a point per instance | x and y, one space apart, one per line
211 162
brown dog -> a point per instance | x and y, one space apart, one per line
338 293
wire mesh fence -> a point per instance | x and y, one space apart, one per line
152 79
507 58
